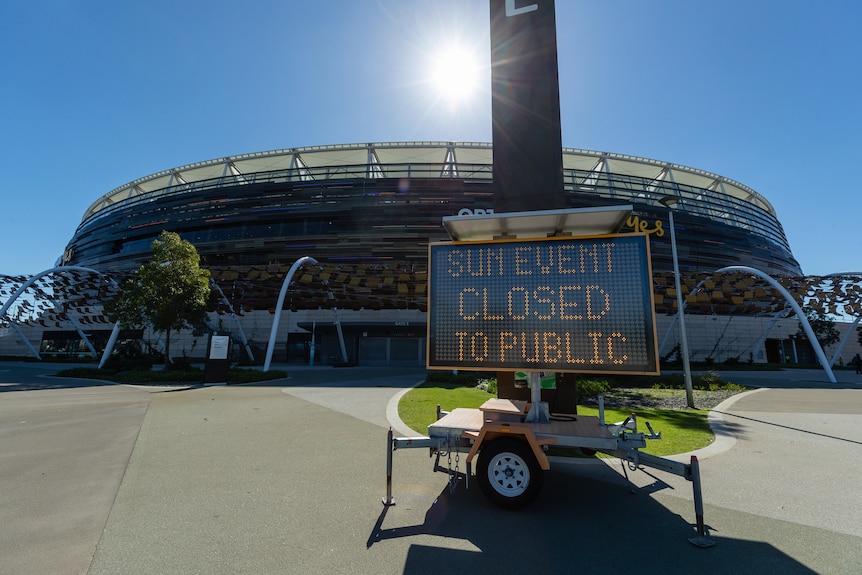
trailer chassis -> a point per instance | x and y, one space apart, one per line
511 454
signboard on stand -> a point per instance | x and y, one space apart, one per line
217 364
561 304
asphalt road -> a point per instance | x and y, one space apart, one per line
288 478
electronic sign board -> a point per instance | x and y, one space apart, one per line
565 304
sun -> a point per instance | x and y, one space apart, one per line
455 74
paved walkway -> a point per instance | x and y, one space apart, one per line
288 478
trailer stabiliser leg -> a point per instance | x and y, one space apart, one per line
388 501
691 472
702 539
633 465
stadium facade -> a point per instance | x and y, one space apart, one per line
366 213
382 203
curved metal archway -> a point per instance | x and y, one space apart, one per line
270 346
32 280
818 350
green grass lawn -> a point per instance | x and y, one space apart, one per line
418 407
682 430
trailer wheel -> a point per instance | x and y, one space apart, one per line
508 473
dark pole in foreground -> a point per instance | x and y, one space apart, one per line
525 113
525 108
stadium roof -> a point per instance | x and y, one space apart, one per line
395 160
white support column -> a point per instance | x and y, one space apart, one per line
109 347
273 332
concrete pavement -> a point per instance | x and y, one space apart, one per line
288 478
65 446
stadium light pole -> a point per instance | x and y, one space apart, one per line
670 202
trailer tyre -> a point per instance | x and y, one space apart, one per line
508 473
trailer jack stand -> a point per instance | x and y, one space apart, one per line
702 540
388 501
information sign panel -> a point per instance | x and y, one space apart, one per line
563 304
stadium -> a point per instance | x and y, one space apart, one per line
367 212
381 203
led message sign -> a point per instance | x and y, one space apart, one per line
557 304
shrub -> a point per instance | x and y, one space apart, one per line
182 364
592 387
118 363
488 385
451 380
710 380
144 377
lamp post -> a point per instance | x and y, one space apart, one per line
670 202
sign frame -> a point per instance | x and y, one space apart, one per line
645 304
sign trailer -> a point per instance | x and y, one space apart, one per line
565 303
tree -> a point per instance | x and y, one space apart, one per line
824 328
170 292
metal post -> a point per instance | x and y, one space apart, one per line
537 413
602 409
387 501
683 339
702 539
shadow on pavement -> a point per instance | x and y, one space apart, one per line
46 382
736 429
576 525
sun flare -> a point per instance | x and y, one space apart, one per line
455 74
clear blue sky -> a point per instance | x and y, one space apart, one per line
96 93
